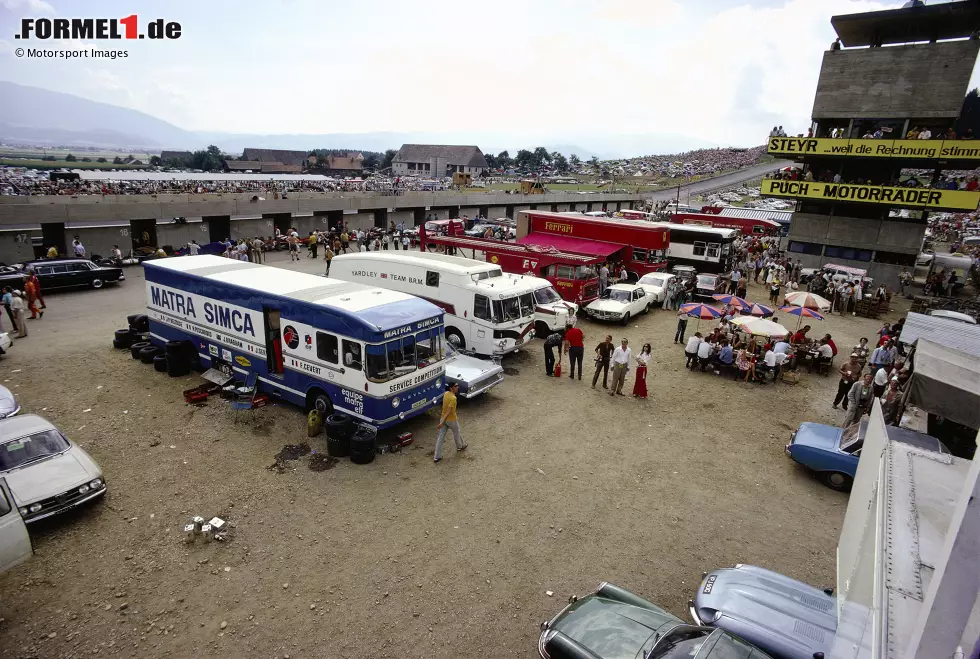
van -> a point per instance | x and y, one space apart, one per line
488 312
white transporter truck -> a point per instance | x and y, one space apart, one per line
488 311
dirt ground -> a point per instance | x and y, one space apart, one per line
562 487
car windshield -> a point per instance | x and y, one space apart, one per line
653 280
706 280
29 449
852 437
616 295
681 643
546 295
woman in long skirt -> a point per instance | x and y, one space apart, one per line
640 379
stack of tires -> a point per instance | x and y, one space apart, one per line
139 325
178 358
339 431
363 445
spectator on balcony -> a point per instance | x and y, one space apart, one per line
925 134
950 134
968 135
913 134
971 184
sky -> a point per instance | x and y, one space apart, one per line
698 72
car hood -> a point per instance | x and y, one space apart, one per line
781 615
51 477
469 369
612 629
8 404
817 435
606 305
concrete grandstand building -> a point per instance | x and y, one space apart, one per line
436 161
871 174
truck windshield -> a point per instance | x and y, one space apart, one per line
387 361
585 272
546 295
509 309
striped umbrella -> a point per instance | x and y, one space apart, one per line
699 311
762 310
802 312
733 300
808 300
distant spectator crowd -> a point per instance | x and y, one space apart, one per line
700 162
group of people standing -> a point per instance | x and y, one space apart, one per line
884 380
608 357
17 303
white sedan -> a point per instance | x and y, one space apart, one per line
655 283
620 302
46 473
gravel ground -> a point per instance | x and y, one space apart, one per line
562 487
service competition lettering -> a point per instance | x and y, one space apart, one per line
214 313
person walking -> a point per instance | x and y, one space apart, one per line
256 245
575 347
37 287
640 379
31 298
328 257
849 374
603 353
553 341
681 328
621 358
8 295
19 307
448 421
859 399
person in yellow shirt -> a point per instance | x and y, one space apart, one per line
52 252
448 421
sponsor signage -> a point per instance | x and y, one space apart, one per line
868 148
961 200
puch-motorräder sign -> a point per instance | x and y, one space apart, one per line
869 148
874 194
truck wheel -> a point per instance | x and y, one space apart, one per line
319 401
453 336
837 481
541 330
626 319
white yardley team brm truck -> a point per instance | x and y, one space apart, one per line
487 311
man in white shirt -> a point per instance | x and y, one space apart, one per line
782 347
704 354
925 134
621 358
880 381
826 352
79 248
691 349
193 248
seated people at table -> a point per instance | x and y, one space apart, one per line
691 349
800 336
826 352
782 347
830 342
743 362
737 343
726 357
753 346
705 349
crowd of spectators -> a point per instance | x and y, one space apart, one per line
700 162
912 179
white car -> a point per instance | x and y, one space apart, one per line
620 302
655 283
5 343
45 472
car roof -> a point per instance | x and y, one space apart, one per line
23 425
60 260
623 287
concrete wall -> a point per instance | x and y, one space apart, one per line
176 235
916 81
360 221
497 211
885 235
15 246
243 229
406 217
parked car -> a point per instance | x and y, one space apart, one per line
473 375
710 284
61 273
5 343
613 623
619 303
656 283
685 272
832 453
47 474
8 404
15 542
785 617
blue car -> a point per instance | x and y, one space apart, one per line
832 453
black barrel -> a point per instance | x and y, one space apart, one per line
363 445
339 431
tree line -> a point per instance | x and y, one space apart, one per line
535 160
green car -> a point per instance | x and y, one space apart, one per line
613 623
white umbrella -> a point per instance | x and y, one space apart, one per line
759 326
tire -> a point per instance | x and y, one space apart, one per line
147 354
124 336
139 323
646 309
176 366
835 480
454 336
97 283
160 363
135 348
319 401
626 319
175 348
120 345
541 329
363 445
